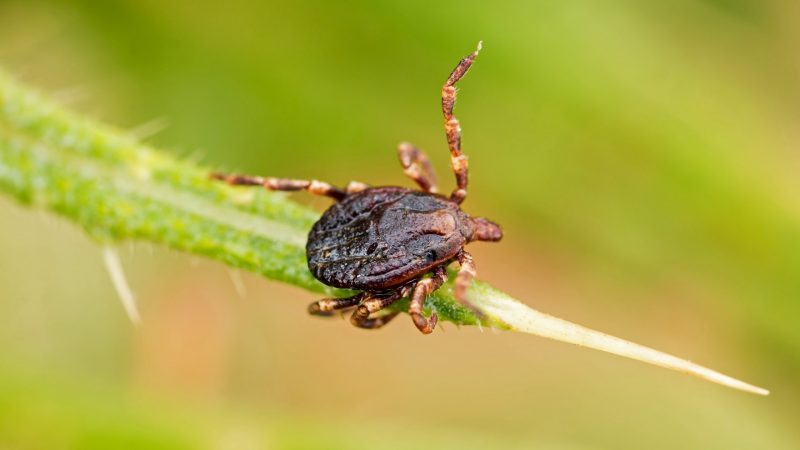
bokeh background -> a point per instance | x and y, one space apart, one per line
642 157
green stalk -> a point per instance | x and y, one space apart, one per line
116 188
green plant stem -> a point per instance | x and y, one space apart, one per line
116 188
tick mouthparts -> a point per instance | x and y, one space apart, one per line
486 230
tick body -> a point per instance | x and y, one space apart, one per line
392 242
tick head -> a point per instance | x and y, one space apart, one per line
485 230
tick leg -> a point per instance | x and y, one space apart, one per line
282 184
360 317
417 166
463 279
355 186
375 322
453 129
327 306
418 296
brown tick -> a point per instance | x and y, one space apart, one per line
383 241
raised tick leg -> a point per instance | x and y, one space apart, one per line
327 306
418 296
417 166
282 184
463 279
453 129
360 317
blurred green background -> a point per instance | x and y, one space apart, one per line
642 157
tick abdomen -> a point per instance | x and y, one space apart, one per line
382 237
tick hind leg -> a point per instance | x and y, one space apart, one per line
421 291
463 280
417 166
452 127
372 304
283 184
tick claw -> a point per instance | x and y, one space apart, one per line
313 308
425 326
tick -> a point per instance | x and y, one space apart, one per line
391 242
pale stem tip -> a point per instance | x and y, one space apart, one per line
525 319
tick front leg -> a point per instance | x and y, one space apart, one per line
453 129
417 166
418 296
328 306
463 280
282 184
360 317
